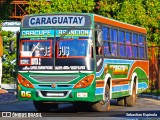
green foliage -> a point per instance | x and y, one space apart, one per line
108 8
8 75
5 9
60 6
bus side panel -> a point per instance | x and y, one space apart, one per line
121 72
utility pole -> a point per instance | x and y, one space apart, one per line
158 81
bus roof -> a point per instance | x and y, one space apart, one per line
101 19
116 23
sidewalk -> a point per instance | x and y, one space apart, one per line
7 96
149 96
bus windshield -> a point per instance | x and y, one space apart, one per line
73 48
57 49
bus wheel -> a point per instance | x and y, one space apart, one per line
121 101
103 105
131 100
42 106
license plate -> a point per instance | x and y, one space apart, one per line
82 94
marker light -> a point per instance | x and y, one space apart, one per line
85 82
23 81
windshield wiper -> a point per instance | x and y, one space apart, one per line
64 34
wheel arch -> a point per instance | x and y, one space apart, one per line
108 80
134 79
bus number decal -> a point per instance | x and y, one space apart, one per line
26 94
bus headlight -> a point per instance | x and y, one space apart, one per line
85 82
23 81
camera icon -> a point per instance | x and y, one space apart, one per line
6 114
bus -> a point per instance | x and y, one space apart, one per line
80 58
1 53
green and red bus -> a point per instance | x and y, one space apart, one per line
80 58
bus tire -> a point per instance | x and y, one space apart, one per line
131 100
42 106
103 105
121 101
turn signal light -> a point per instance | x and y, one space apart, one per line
23 81
85 82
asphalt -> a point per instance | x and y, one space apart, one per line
10 96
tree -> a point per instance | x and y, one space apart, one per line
5 9
8 58
41 6
108 8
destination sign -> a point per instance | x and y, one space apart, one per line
73 32
37 33
55 20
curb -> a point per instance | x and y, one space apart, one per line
150 96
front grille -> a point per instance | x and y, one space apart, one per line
50 86
53 78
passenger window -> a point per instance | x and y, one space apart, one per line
114 43
128 44
141 46
121 37
135 45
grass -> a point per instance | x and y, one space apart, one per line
153 92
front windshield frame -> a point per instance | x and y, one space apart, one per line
53 62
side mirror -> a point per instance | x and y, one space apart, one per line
12 46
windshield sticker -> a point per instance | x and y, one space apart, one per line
70 68
35 61
38 68
63 51
25 61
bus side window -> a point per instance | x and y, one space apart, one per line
99 41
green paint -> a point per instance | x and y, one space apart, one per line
120 94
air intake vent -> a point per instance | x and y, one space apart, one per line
53 78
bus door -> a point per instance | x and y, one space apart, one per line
99 48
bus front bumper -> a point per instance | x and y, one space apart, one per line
73 95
